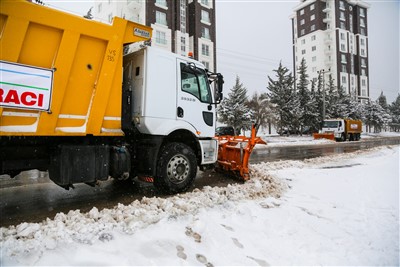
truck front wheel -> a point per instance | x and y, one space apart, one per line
176 168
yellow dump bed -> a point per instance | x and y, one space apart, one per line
61 74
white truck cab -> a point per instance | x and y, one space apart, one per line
170 99
334 126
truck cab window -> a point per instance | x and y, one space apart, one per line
195 82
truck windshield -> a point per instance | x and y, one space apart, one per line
330 124
195 82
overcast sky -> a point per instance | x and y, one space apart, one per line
253 36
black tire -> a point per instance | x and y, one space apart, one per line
343 138
176 168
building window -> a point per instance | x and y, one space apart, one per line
303 41
363 72
302 22
363 52
312 7
206 64
205 50
342 36
341 5
205 33
343 47
344 68
162 3
362 22
313 27
312 17
302 32
363 62
313 38
160 38
110 17
363 83
362 41
343 25
302 12
342 17
362 31
343 58
183 16
205 16
99 8
204 2
362 12
344 80
314 58
161 18
314 69
313 48
303 51
183 44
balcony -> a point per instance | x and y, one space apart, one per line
328 40
328 62
327 20
328 51
326 10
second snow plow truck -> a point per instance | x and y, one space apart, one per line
72 103
340 130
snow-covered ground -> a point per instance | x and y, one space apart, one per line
296 140
336 210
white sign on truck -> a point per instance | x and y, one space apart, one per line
26 87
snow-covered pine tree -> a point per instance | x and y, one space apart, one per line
374 116
282 95
233 110
308 113
395 114
331 99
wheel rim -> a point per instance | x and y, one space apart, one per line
178 169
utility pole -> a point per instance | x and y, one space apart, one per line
323 90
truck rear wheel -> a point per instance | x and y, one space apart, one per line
176 168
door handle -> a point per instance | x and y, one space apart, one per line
180 112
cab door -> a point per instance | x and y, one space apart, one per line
194 103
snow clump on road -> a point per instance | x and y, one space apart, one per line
27 240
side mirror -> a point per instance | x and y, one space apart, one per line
220 87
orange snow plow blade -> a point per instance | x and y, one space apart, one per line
234 153
329 136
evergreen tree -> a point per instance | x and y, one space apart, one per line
262 111
382 101
233 110
374 116
331 100
308 113
282 95
395 114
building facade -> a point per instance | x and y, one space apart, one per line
180 26
332 36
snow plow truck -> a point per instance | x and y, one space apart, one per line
74 103
340 130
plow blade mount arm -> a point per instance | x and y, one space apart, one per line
234 153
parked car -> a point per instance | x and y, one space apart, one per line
224 130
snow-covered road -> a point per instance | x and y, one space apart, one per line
336 210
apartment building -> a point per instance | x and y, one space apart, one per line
332 36
180 26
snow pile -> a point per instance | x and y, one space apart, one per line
336 210
29 240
